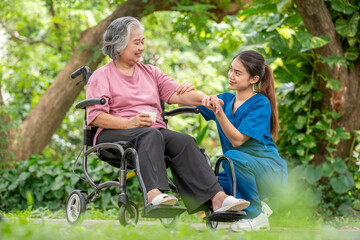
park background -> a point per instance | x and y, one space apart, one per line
312 47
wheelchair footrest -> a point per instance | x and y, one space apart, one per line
162 211
225 216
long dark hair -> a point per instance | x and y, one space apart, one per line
255 65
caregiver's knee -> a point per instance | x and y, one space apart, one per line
238 162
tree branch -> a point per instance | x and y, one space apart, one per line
234 8
15 34
57 26
52 11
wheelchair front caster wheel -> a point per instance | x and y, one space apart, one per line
168 222
128 214
212 224
75 207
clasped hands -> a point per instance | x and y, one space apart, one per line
213 103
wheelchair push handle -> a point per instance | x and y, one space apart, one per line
86 73
76 73
89 102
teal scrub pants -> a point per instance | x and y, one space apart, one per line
257 178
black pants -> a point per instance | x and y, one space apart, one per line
192 174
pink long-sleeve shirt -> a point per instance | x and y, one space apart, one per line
126 95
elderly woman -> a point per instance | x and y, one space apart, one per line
128 85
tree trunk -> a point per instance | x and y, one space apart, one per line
317 20
44 119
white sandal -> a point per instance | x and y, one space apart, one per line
232 204
164 199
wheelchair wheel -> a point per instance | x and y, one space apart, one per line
211 224
75 207
168 222
128 214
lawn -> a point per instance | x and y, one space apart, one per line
39 224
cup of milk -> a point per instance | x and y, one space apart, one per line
151 111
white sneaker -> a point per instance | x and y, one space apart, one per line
261 222
266 209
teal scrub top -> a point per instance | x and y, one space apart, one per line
252 118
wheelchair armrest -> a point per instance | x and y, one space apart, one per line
182 110
89 102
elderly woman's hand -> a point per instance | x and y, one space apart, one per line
141 120
213 103
184 87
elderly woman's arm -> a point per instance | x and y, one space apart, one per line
107 121
188 98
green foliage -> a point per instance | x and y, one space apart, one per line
202 130
28 68
5 126
312 42
345 15
42 182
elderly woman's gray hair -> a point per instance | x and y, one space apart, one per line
117 36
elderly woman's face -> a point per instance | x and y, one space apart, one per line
135 47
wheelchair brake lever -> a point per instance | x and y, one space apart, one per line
80 81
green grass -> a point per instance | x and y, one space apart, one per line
90 214
24 229
19 225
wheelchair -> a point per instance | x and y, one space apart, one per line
129 167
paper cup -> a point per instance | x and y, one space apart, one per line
151 111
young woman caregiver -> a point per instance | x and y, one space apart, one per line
246 123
